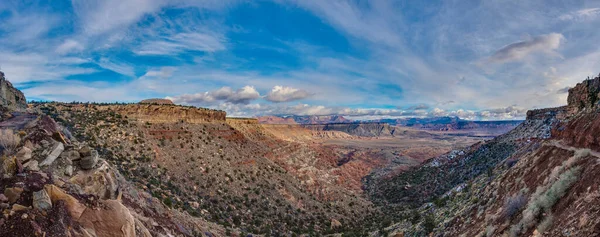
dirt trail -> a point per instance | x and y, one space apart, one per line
574 149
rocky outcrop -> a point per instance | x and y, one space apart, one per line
584 95
10 97
157 101
558 112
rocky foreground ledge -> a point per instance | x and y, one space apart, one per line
52 184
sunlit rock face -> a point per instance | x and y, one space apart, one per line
10 97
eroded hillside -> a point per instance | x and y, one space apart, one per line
540 179
234 173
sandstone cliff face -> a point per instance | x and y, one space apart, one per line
242 121
10 97
585 94
166 113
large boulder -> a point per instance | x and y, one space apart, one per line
10 97
56 194
110 218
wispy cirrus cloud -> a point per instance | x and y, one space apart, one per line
546 44
182 42
118 67
96 17
581 15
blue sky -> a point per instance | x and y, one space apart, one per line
364 59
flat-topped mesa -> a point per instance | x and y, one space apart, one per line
10 97
157 101
168 113
154 113
235 120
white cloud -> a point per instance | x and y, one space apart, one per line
69 46
163 73
241 96
517 51
285 94
225 94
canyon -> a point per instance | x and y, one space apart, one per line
158 169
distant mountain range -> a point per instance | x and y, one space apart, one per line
446 123
310 119
450 123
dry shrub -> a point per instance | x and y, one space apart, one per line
513 205
9 141
543 201
545 224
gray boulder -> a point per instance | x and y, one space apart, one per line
41 200
90 161
55 151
